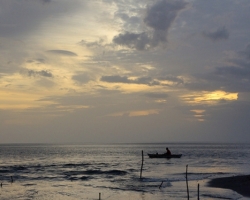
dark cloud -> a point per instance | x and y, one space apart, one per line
238 70
233 71
239 62
219 34
139 41
62 52
95 44
246 52
158 20
33 73
116 79
146 81
230 79
130 23
161 15
45 73
81 78
233 77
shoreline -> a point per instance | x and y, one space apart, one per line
240 184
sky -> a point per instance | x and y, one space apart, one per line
124 71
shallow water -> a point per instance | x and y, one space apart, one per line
113 171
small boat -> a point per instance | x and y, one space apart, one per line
156 155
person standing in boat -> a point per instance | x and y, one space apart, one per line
168 152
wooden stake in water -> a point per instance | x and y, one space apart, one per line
99 196
161 185
198 191
141 163
187 182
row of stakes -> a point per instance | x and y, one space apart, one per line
163 181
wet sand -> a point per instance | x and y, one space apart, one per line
240 184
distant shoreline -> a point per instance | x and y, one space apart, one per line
240 184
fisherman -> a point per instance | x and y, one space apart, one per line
168 152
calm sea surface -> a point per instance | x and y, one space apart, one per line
112 171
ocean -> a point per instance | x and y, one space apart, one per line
112 171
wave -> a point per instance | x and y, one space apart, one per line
197 176
13 169
96 172
71 165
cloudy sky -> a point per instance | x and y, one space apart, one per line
124 71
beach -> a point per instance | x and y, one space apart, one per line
240 184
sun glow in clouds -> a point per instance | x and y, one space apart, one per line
19 100
199 115
135 113
207 97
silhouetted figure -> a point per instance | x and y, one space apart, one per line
1 185
168 152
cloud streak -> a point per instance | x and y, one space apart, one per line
33 73
145 80
62 52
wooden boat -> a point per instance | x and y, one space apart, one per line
156 155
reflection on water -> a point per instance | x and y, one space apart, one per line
84 171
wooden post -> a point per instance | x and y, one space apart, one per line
187 182
99 196
161 184
198 191
141 163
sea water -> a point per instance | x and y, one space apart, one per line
112 171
